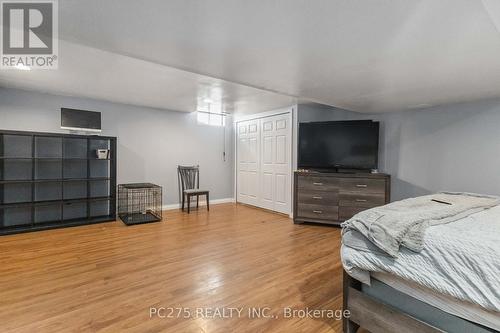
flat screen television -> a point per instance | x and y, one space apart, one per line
338 145
80 120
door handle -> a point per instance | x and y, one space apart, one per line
318 184
361 185
318 211
360 200
318 198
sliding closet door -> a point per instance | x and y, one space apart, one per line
248 159
275 163
264 163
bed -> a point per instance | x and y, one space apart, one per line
451 285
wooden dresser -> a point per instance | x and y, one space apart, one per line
332 198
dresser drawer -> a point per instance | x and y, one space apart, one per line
318 197
345 213
318 211
361 199
317 183
362 185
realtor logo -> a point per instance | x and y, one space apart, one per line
29 35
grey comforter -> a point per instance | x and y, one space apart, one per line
403 223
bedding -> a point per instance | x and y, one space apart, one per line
403 223
459 259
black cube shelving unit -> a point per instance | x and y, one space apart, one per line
51 180
139 203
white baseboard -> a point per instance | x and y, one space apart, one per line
202 203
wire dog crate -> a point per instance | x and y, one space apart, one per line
139 203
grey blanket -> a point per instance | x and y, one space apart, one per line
403 223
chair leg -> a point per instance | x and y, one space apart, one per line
189 203
183 200
197 201
208 203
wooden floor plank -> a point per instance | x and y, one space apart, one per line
105 277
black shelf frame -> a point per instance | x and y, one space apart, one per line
60 205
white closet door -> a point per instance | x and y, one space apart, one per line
248 159
264 163
275 163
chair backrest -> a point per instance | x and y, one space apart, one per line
190 177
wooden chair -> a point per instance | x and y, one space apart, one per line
190 185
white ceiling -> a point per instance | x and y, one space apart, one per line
89 72
367 56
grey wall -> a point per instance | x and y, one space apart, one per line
151 142
454 147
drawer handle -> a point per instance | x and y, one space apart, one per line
318 198
361 185
318 184
360 200
318 211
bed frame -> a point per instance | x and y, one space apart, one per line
375 316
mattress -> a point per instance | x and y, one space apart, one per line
460 259
465 310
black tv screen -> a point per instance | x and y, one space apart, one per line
339 144
80 120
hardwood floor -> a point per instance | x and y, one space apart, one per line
106 277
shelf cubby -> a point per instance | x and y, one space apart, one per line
75 169
99 143
99 168
16 145
75 148
16 169
11 193
15 217
48 191
99 188
75 189
75 210
48 213
100 208
48 147
48 169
